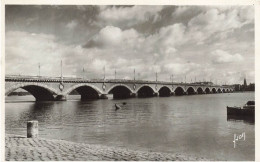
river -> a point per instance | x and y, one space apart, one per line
193 125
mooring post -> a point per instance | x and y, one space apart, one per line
32 129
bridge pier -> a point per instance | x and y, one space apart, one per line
172 93
121 95
90 97
61 98
103 96
133 95
155 94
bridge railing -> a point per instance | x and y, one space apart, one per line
76 79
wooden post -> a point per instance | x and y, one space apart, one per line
32 129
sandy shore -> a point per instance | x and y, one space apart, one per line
20 148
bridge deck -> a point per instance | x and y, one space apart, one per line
18 78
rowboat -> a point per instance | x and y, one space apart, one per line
117 107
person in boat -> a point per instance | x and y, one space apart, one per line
117 107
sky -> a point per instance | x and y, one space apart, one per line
203 43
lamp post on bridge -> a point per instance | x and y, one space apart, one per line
39 69
61 75
104 72
83 73
134 74
156 79
171 78
185 85
61 85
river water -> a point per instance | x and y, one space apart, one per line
192 125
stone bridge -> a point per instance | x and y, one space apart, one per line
50 88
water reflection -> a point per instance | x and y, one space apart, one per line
246 119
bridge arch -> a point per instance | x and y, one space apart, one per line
164 91
213 90
199 90
116 85
207 90
82 85
145 91
190 91
40 91
120 91
87 91
179 91
219 90
146 86
224 90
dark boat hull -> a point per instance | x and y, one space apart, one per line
239 111
246 118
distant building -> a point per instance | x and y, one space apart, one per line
237 87
251 87
244 86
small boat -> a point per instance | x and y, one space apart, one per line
247 110
117 107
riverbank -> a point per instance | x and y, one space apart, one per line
20 148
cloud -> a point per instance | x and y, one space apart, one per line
176 68
128 16
26 50
246 14
195 41
182 69
220 56
216 21
180 10
111 36
172 35
72 24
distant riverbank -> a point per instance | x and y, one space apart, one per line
20 148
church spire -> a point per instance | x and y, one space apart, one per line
245 84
